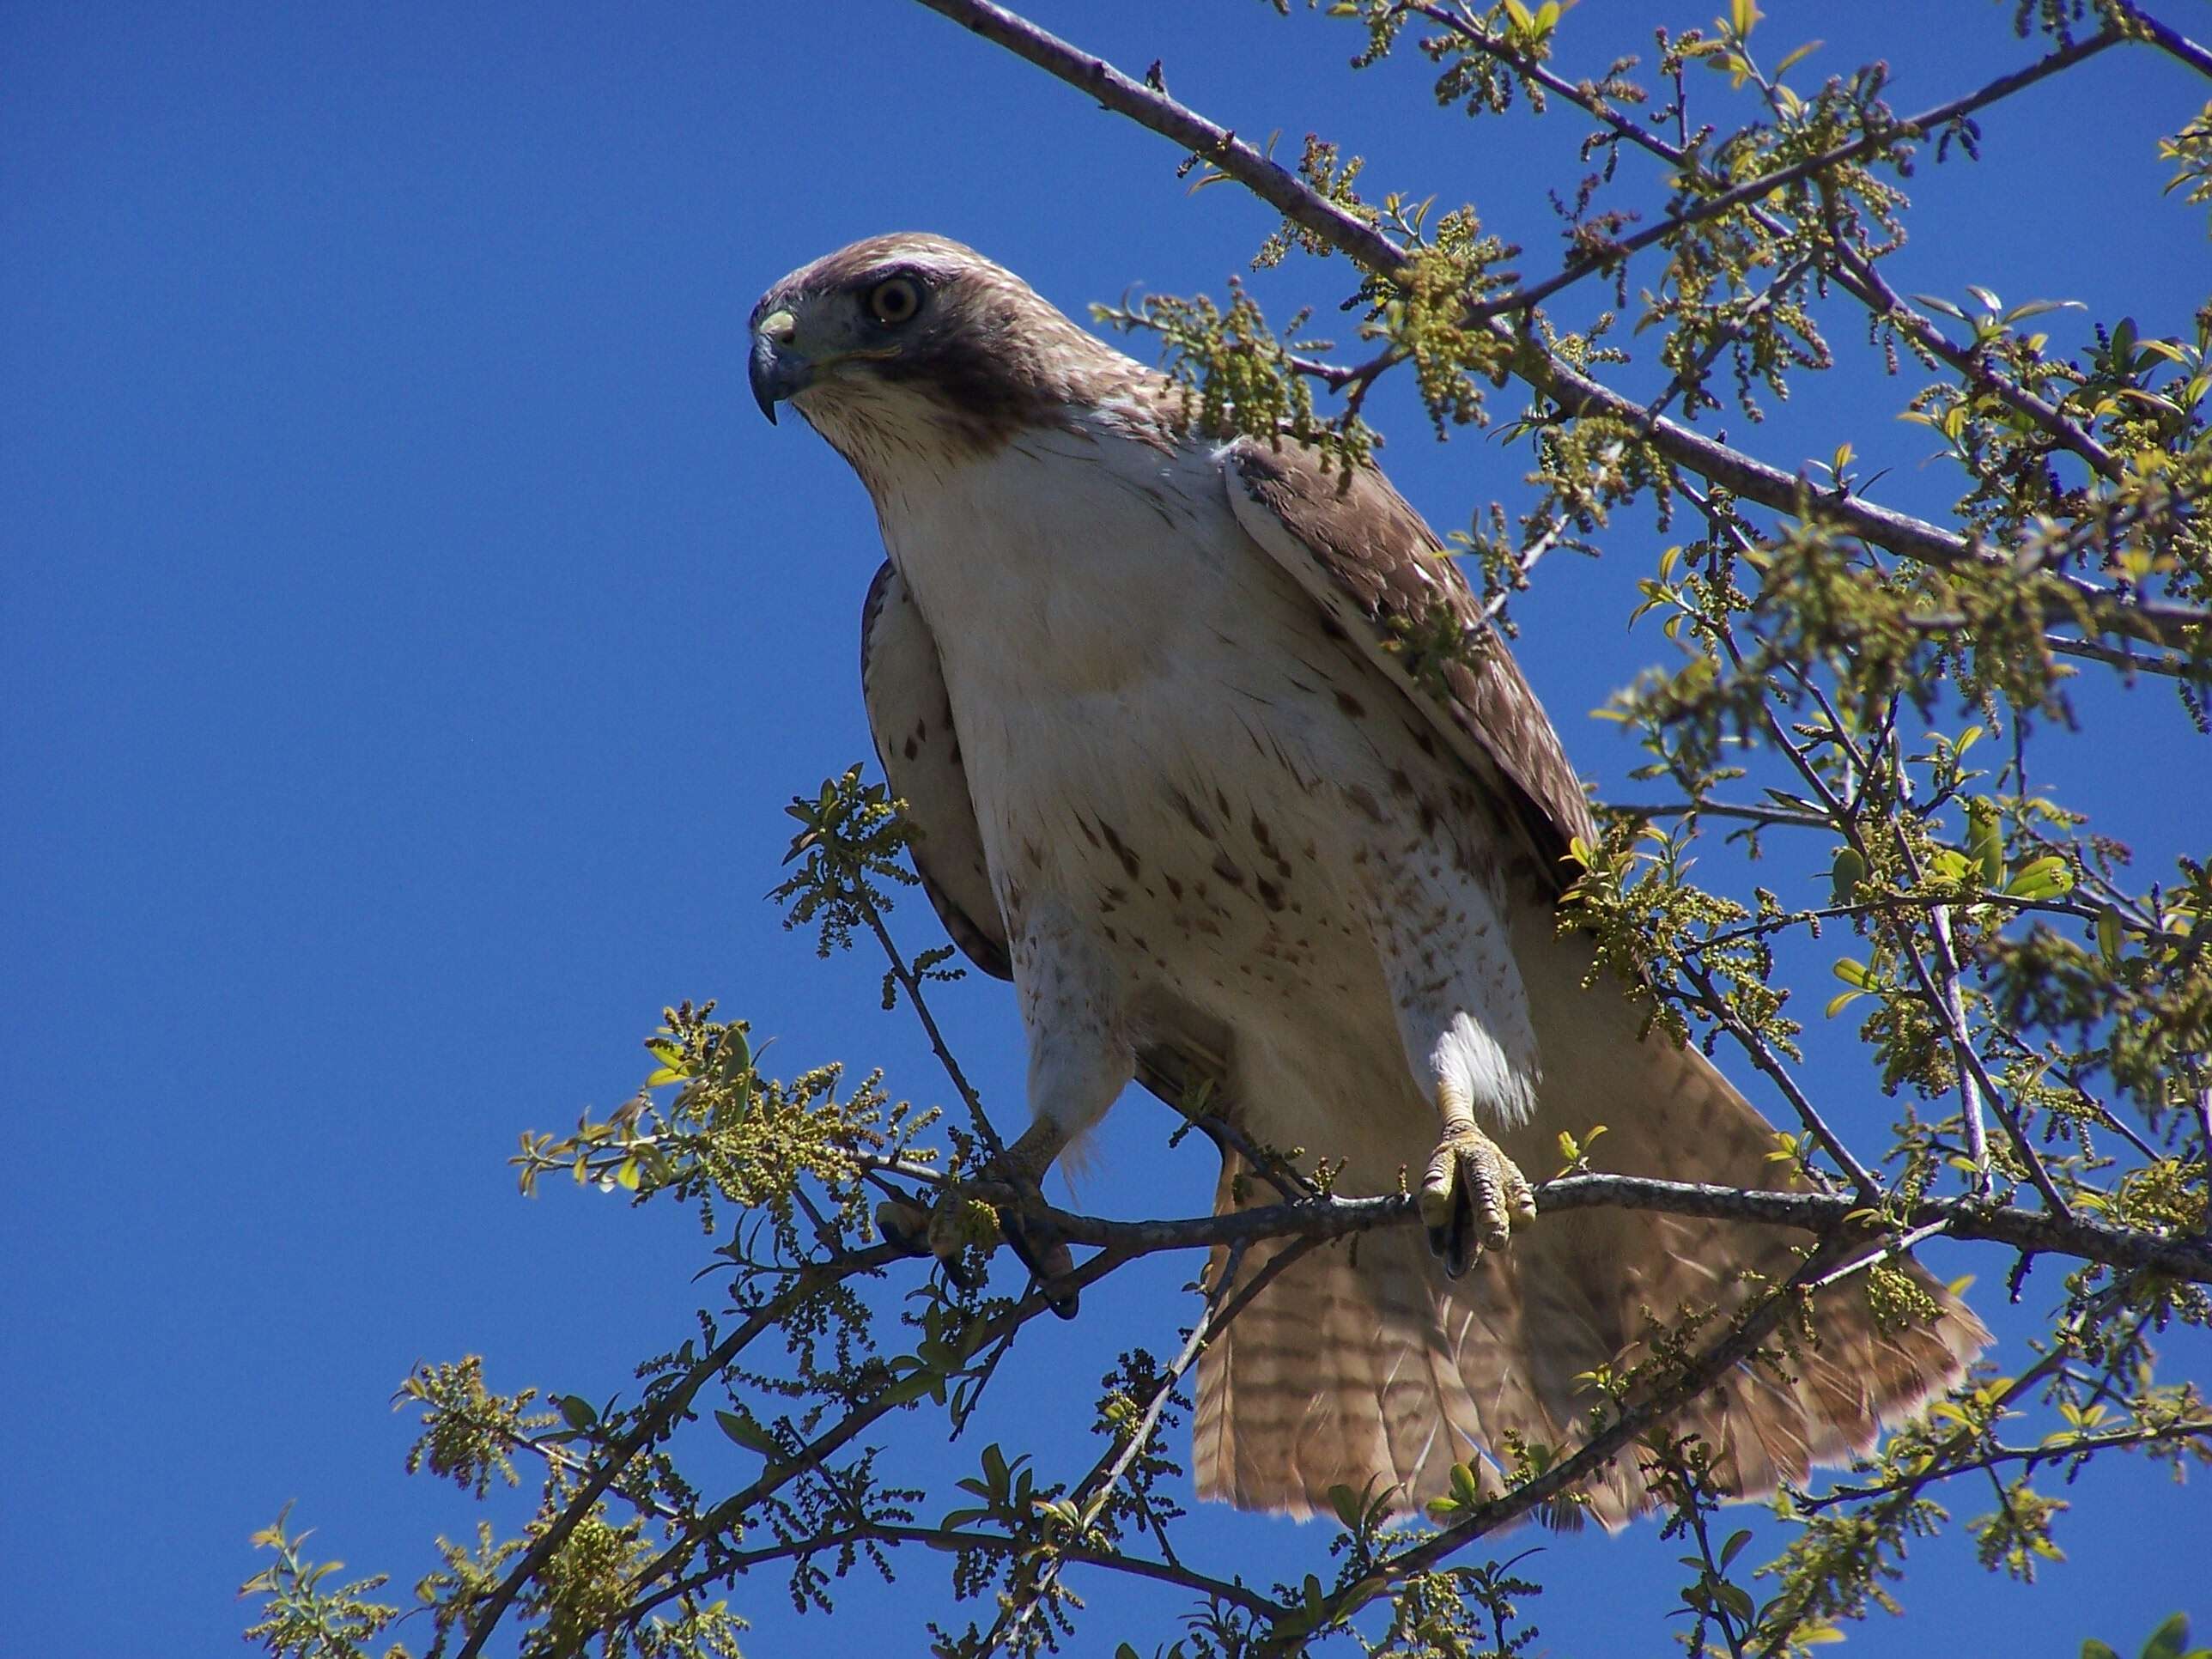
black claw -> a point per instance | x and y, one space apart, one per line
1439 1242
1449 1243
1018 1239
912 1244
957 1270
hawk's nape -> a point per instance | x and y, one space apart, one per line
1138 689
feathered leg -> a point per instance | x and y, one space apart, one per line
1080 1058
1462 1014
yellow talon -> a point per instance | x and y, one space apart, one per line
1470 1196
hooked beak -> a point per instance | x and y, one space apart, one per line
776 372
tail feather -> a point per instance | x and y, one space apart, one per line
1361 1360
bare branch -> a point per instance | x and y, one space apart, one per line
2080 1446
1752 1328
2037 1230
648 1430
1576 394
1758 189
910 983
1268 179
2170 40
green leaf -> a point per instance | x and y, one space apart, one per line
1798 56
2047 878
1854 973
1983 298
733 1055
1985 841
577 1411
1346 1503
1847 873
911 1387
1840 1001
1949 864
1935 302
746 1432
2108 933
1737 1540
1462 1485
1743 14
2168 1640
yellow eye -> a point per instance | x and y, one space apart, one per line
894 301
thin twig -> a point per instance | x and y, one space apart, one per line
911 984
1778 817
649 1428
2083 1446
780 1472
1859 275
1954 1018
1754 190
1752 1328
1896 1247
954 1539
1576 393
1762 1056
2171 40
1219 1311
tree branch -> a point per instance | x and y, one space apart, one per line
1731 1350
911 984
1576 393
1270 181
2037 1230
1758 189
2171 40
2083 1446
651 1427
947 1538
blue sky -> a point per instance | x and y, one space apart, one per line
410 634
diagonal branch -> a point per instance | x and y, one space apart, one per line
650 1428
1741 1342
1576 393
2170 40
1758 189
1268 179
1221 1307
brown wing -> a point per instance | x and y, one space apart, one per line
1381 575
911 712
910 715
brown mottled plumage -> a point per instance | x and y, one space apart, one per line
1134 684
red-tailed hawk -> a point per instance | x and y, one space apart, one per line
1132 683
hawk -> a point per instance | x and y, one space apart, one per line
1134 684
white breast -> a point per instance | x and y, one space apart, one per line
1115 647
1185 786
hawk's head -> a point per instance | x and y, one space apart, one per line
911 348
